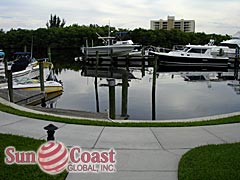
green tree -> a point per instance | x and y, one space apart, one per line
55 21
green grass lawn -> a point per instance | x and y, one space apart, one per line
8 109
24 172
212 162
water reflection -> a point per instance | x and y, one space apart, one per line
144 92
123 76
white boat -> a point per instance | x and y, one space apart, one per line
197 55
234 42
25 67
34 85
120 48
32 71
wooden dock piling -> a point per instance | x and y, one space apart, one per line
124 94
236 64
154 88
95 82
111 83
10 84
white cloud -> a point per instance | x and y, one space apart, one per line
215 16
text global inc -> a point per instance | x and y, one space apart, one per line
91 161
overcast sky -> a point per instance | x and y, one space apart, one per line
211 16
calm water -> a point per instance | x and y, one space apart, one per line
175 98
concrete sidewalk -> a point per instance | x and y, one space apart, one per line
142 153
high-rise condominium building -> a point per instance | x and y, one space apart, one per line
171 23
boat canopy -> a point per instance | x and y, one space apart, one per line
232 43
20 64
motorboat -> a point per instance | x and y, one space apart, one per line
234 42
197 55
2 54
19 62
120 48
24 66
50 86
28 91
34 85
32 71
110 48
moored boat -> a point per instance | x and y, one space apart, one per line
34 85
2 54
24 66
234 42
120 48
32 71
197 55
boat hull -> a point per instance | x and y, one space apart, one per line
168 60
49 87
109 50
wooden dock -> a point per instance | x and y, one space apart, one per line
68 112
23 97
32 98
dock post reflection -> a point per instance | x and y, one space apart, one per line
143 62
95 82
154 88
112 83
124 94
143 68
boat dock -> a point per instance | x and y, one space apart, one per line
22 97
31 98
68 112
120 61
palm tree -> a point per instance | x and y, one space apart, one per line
55 21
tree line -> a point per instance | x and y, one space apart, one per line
75 36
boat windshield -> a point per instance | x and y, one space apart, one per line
128 42
186 49
197 50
